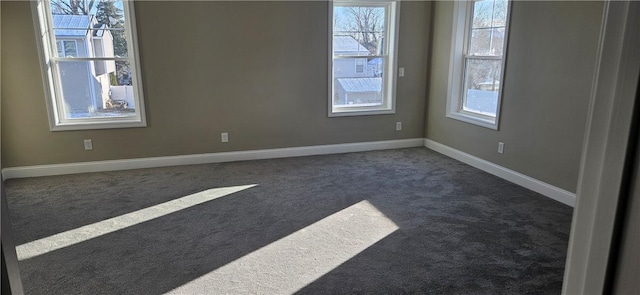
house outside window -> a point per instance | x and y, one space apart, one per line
90 64
476 71
363 58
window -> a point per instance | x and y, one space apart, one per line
67 48
477 61
90 63
363 33
360 65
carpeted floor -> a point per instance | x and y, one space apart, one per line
451 229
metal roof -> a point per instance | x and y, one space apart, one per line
348 44
71 21
361 85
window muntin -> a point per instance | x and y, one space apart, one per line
479 41
362 60
92 77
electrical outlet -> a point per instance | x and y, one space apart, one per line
501 147
398 126
401 72
88 145
224 137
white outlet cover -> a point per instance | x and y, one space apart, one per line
88 145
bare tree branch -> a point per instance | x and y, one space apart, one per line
365 26
72 6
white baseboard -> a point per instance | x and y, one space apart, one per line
140 163
538 186
533 184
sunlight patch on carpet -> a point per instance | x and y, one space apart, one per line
291 263
94 230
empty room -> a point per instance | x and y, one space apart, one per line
319 147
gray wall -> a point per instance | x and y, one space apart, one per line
549 71
257 70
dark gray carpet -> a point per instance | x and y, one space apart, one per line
461 231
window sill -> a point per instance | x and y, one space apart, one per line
110 124
345 112
475 120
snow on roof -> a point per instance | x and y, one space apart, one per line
361 85
67 21
347 44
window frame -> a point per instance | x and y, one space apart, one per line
390 71
460 42
47 50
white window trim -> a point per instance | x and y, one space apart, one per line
462 16
41 11
390 70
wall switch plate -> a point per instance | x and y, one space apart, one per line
401 72
88 145
501 147
224 137
398 126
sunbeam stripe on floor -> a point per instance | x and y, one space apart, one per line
291 263
94 230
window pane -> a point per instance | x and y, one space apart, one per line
490 13
482 14
487 31
480 43
110 15
482 85
86 93
500 13
121 94
487 41
358 30
497 42
96 27
353 89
